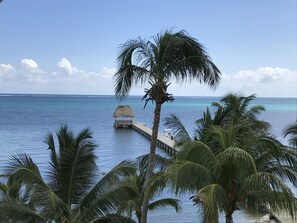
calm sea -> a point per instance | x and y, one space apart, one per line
25 120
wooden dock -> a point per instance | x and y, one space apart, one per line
164 142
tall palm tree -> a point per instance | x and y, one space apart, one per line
133 191
72 192
234 163
291 131
169 57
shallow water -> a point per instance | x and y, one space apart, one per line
26 119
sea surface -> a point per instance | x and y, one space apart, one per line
25 120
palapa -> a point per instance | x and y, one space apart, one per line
123 111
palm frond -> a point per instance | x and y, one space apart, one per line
133 52
235 159
22 168
219 138
3 190
130 194
156 185
16 190
270 190
265 181
160 163
278 159
187 176
197 152
119 172
127 207
77 164
99 207
175 56
54 166
175 203
284 172
184 59
11 211
65 137
291 131
254 110
173 122
203 124
213 198
50 203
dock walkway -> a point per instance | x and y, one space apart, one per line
163 141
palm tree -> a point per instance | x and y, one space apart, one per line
133 191
170 56
237 176
234 163
231 109
291 131
70 194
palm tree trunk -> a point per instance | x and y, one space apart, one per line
150 167
229 218
138 215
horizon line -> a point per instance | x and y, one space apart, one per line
109 95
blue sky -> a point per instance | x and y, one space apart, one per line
71 46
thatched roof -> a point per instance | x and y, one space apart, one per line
123 111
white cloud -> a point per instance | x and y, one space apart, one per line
79 81
66 66
74 73
265 74
31 66
67 78
7 72
31 72
264 82
6 68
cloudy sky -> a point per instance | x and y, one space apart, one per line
71 46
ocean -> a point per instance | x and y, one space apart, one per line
25 120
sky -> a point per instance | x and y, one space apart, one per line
71 46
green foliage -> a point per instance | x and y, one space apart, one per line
234 161
170 56
132 191
291 131
181 134
68 194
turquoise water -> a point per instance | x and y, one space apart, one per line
26 119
